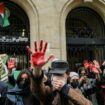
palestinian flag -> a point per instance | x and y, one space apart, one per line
4 14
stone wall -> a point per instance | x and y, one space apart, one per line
47 20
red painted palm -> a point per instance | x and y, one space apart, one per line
86 64
93 68
38 57
11 64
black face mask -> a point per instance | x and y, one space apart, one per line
75 84
23 84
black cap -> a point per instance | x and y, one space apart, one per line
59 67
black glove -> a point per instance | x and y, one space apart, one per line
65 90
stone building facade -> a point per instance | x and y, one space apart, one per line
47 20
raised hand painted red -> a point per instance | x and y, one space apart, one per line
11 64
86 64
93 68
38 57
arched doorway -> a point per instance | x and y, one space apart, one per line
15 37
84 36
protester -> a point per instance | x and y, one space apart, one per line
52 95
3 86
74 80
21 94
101 85
88 83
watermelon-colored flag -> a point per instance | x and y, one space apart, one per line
4 14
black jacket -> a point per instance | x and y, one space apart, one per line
17 96
3 89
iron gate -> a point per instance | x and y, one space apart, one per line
85 36
77 54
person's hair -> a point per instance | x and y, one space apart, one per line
21 73
68 72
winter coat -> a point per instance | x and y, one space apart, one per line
3 89
21 96
89 89
17 96
67 96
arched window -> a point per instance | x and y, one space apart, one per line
84 22
85 36
15 37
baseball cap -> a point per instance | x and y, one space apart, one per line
59 67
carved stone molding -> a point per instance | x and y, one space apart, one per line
88 0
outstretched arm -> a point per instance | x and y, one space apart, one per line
38 61
78 98
38 57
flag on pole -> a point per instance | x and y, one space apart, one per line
4 14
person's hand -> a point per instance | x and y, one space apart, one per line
86 64
94 68
96 64
58 84
11 64
103 63
83 78
38 57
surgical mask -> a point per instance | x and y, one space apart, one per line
74 84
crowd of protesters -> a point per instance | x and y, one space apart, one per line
60 85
